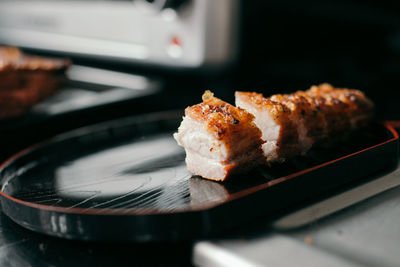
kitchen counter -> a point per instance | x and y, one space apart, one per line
356 227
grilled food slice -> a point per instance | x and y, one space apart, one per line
350 106
219 139
275 120
26 80
291 124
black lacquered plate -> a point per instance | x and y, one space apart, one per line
126 180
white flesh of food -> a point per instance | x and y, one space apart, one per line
269 128
200 159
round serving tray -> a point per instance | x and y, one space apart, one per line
126 180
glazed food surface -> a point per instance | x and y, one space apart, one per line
293 123
11 58
219 139
222 119
26 80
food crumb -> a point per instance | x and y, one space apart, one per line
308 240
207 95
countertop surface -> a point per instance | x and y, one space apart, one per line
356 227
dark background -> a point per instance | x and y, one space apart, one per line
290 45
287 46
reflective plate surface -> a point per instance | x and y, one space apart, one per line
126 180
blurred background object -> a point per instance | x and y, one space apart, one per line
167 33
27 80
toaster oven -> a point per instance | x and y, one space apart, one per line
165 33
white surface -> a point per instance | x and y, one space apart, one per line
276 250
133 31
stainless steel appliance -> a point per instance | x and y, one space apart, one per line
183 33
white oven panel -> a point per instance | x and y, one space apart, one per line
188 34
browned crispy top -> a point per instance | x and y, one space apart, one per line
351 99
321 97
222 119
12 59
275 108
